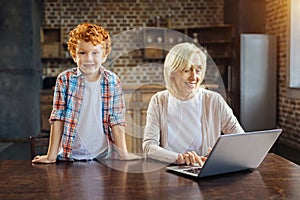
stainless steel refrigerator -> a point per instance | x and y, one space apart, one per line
258 81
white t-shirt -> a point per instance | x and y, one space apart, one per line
90 140
184 124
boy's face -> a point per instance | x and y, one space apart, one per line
89 58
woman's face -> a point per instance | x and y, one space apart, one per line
188 80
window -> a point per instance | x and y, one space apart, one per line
293 58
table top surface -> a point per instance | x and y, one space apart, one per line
276 178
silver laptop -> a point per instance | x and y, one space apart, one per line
233 152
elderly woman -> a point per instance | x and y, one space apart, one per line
184 121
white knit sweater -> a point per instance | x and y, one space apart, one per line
217 117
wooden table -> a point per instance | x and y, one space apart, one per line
276 178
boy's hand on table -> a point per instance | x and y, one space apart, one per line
124 155
43 160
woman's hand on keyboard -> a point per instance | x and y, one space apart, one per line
189 158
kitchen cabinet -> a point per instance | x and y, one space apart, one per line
51 42
55 56
153 39
137 99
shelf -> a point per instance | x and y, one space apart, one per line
153 53
209 33
215 42
220 57
56 59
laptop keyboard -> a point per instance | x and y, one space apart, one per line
194 170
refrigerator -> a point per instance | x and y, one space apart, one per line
258 81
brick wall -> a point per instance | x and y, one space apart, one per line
288 109
121 16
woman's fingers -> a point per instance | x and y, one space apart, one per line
197 158
180 159
187 158
191 158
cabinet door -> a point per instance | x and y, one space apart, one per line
137 99
51 42
153 43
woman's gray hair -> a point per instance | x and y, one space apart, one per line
178 59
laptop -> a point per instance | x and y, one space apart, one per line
232 153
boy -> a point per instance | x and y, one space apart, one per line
88 115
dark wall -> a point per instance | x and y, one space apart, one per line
249 16
20 68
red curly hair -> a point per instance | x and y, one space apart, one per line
89 33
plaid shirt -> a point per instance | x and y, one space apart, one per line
67 102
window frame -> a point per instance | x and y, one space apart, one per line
292 91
